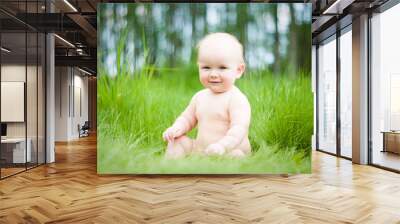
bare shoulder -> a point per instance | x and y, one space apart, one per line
200 93
238 95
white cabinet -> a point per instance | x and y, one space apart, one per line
18 149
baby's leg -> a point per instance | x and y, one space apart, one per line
237 153
179 147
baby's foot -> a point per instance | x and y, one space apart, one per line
173 152
237 153
215 149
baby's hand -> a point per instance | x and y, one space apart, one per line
172 133
215 149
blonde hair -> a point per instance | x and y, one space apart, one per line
221 35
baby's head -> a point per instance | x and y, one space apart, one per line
220 60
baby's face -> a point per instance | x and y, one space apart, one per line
219 66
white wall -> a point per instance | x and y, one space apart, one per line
33 127
70 83
12 101
80 83
62 81
12 73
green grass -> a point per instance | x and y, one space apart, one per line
134 110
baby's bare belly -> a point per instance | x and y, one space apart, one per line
211 132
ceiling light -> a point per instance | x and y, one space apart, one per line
70 5
64 40
331 7
84 71
337 7
5 49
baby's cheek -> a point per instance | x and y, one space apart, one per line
228 82
203 80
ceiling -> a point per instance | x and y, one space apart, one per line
75 21
330 15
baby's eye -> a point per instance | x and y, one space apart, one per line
205 67
222 67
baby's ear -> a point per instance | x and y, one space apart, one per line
240 70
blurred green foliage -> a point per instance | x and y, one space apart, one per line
276 37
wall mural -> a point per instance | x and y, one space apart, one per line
206 88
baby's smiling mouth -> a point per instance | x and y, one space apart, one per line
214 82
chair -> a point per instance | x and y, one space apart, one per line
84 130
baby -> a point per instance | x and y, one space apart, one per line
221 111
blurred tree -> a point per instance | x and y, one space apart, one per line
171 32
203 13
152 32
292 48
242 21
193 17
173 39
304 47
276 52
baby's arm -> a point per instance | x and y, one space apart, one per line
184 123
240 114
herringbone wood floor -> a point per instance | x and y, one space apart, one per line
70 191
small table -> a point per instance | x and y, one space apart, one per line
391 141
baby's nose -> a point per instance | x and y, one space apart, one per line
213 74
